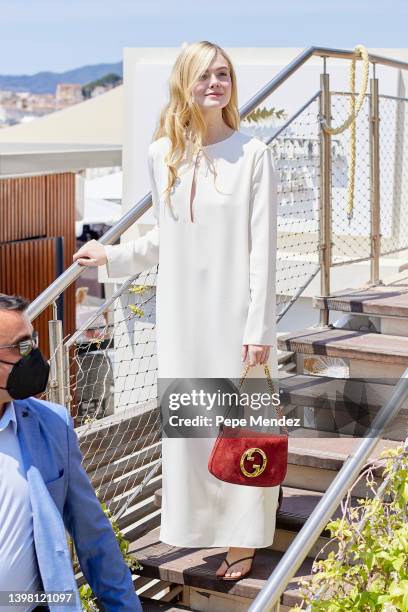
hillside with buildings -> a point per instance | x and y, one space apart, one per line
24 98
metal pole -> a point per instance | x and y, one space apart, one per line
296 295
325 197
375 183
67 379
56 388
307 536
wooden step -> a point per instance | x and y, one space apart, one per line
196 568
313 462
153 605
309 390
380 300
297 506
342 404
348 345
284 357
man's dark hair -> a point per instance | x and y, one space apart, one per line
13 302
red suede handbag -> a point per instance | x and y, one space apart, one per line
246 457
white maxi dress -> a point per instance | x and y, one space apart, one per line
215 292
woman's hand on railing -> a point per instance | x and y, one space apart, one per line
91 254
257 353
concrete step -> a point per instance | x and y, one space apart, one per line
195 569
369 354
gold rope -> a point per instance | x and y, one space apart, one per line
351 120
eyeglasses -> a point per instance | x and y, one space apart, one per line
25 346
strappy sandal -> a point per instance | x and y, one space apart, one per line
233 563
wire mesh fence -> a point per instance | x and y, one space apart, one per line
393 173
350 237
297 162
113 398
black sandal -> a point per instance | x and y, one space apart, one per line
233 563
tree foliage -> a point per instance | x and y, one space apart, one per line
108 79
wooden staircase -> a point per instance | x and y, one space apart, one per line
369 355
315 457
313 464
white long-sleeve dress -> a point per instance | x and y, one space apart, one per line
215 292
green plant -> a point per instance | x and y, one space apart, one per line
88 599
259 114
138 290
136 310
368 571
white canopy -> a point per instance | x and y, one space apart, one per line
108 186
98 211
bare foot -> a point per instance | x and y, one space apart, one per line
236 570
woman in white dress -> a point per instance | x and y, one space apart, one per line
214 199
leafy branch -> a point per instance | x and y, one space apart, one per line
88 599
368 571
260 114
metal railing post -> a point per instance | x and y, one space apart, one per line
67 378
56 387
375 212
325 196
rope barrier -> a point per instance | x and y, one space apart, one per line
355 108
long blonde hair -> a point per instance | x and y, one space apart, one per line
181 118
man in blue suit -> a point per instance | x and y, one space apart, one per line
44 488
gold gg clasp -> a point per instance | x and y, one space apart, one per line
248 455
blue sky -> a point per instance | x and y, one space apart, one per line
58 35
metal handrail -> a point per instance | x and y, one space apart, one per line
293 558
52 292
49 295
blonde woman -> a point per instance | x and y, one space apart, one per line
214 199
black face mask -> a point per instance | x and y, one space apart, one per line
28 376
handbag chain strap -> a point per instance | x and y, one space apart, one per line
278 408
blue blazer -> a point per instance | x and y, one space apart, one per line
62 497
